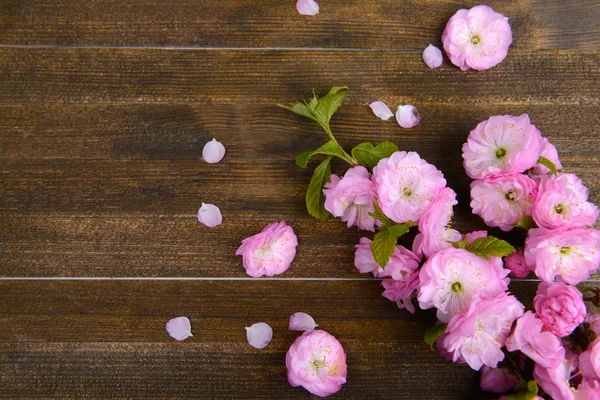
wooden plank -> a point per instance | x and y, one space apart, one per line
163 76
549 24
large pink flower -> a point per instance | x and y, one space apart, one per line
269 252
406 186
503 144
436 233
401 292
529 336
478 334
478 38
402 263
555 380
351 198
451 277
562 201
497 380
550 153
317 362
560 307
571 254
589 361
503 200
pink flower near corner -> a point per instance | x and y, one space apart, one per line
589 361
478 38
269 252
401 292
560 307
517 265
401 265
317 362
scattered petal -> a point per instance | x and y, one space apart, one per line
259 335
213 151
302 322
210 215
381 110
307 7
179 328
432 56
408 116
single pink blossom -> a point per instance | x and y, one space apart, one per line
179 328
213 152
402 263
588 390
497 380
451 277
503 144
589 361
478 38
406 186
301 322
503 200
351 198
408 116
555 380
478 334
381 110
571 254
436 233
307 7
432 56
317 362
560 307
529 336
562 201
593 322
210 215
401 292
515 262
269 252
259 335
550 153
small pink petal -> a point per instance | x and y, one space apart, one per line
432 56
213 151
179 328
302 322
381 110
307 7
210 215
407 116
259 335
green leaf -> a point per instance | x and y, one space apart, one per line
328 105
400 229
383 246
368 155
460 245
548 164
490 246
380 216
300 109
330 148
526 223
525 391
336 89
314 194
433 333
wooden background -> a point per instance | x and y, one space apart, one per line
105 106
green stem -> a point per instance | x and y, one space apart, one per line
346 157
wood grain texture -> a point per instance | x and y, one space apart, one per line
539 24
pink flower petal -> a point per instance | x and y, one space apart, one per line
381 110
408 116
210 215
213 151
432 56
307 7
179 328
301 322
259 335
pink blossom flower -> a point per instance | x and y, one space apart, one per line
451 277
503 200
401 292
406 186
550 153
588 390
477 38
408 116
351 198
593 322
543 347
589 361
571 254
381 110
269 252
434 225
503 144
307 7
562 201
515 262
432 56
560 307
402 263
478 334
497 380
317 362
555 380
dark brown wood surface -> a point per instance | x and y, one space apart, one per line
105 106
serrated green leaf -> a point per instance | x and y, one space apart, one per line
368 155
336 89
330 148
490 246
548 164
460 245
300 109
328 105
526 223
525 391
433 333
383 246
399 229
380 216
313 103
314 194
